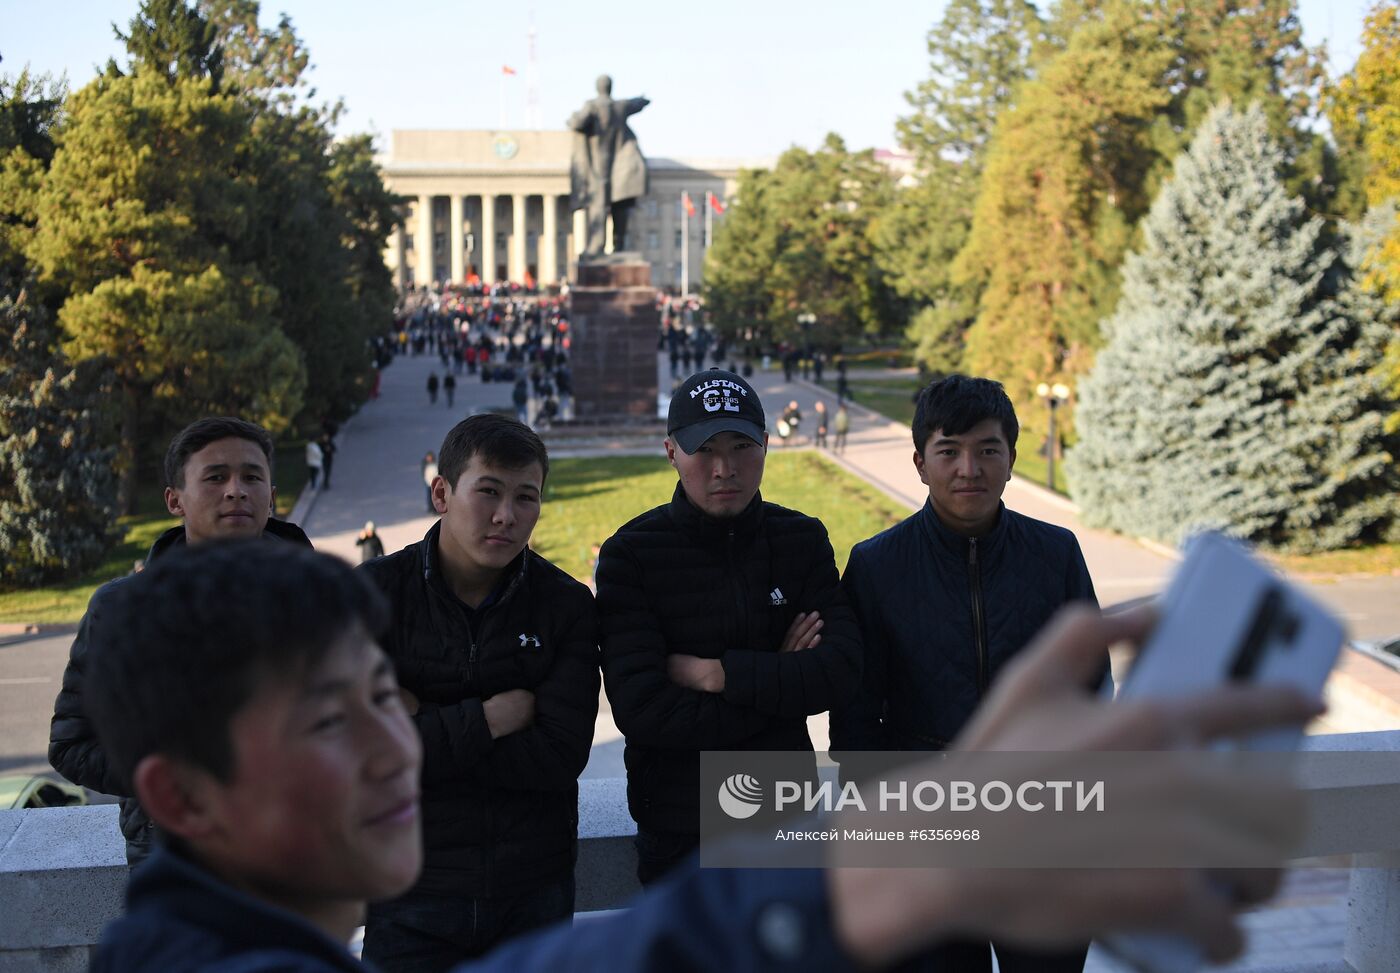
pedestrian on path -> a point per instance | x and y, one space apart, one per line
843 426
432 388
327 444
430 471
449 388
369 543
819 417
314 459
521 397
792 418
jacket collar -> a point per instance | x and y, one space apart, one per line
431 566
281 530
180 887
956 544
701 526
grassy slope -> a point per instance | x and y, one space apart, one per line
588 499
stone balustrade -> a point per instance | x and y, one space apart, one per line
62 870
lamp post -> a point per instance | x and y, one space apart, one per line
1053 396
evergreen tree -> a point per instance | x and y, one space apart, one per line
141 214
979 53
800 240
1237 389
30 108
57 485
1074 165
1364 110
172 39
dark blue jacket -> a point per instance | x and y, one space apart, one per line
181 919
941 614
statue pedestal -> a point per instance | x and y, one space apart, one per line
614 325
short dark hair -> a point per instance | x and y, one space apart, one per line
957 403
187 643
499 439
201 433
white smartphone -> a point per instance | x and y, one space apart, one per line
1226 617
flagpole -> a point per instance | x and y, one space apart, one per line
709 208
502 122
685 245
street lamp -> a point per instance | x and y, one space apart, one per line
1053 396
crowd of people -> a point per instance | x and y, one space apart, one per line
293 739
496 334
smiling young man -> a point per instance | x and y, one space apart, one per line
722 622
496 650
248 705
949 596
218 475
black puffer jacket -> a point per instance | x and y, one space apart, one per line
674 581
941 614
73 747
499 816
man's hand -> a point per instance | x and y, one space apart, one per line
693 672
803 633
410 701
1040 705
509 712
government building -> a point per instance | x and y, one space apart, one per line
495 205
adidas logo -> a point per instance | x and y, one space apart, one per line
777 595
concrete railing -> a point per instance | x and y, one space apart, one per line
62 870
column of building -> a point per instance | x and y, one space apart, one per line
400 258
515 267
454 230
549 241
423 244
488 238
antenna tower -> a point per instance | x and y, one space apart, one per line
532 81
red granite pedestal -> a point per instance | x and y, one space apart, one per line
614 325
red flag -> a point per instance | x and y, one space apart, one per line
507 69
716 205
689 206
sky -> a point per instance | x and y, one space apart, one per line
727 78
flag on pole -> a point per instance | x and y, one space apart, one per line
715 204
507 69
689 206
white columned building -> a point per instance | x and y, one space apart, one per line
492 226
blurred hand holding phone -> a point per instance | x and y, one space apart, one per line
1226 617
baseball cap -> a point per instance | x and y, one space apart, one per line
712 402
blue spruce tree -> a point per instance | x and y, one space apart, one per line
1238 387
58 491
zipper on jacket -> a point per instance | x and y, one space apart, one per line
979 616
737 590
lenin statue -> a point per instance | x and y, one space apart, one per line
607 172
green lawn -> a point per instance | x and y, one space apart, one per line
587 499
66 602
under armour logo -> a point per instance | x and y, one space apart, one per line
777 595
529 641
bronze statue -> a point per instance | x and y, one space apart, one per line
607 172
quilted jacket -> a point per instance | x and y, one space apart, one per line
941 615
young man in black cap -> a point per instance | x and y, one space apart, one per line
218 475
497 652
949 596
723 626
